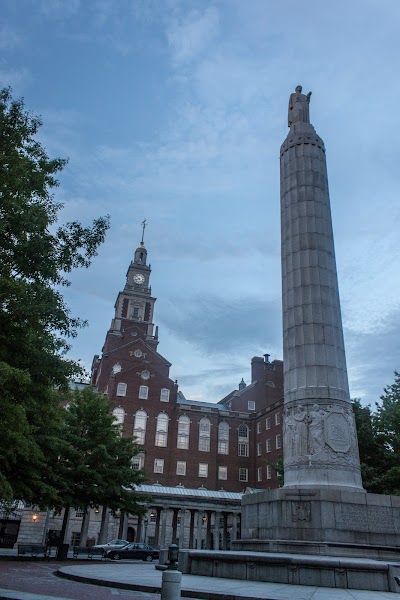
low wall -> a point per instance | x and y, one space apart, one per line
347 573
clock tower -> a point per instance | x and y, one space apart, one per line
135 304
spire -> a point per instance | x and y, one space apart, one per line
141 252
144 227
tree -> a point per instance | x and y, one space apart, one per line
96 464
35 323
373 455
388 428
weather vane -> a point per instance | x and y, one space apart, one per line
144 227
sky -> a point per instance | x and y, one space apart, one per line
174 111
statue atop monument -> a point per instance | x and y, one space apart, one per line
299 107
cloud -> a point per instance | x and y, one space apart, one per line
219 326
372 358
190 35
58 9
10 38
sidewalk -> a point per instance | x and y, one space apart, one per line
145 578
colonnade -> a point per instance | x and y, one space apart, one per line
211 529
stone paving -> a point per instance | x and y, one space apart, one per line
91 580
142 576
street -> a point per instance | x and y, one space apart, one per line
38 577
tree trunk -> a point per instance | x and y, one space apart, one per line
61 552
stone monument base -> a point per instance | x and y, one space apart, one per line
287 520
320 537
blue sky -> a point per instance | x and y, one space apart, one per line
174 111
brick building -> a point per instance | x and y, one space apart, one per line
199 457
229 446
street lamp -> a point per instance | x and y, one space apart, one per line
146 522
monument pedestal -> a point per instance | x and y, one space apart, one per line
321 521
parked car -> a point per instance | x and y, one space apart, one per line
138 551
113 545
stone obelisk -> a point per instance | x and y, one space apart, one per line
320 441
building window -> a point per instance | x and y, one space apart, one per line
223 473
269 472
181 467
259 427
204 434
153 516
162 430
277 418
243 474
139 427
158 465
121 389
268 423
79 514
278 442
223 438
243 450
203 470
119 415
135 312
259 449
259 474
268 445
183 432
143 392
251 405
138 462
164 395
116 368
243 446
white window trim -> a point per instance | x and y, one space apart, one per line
164 395
203 467
243 474
160 467
121 389
143 392
181 463
222 473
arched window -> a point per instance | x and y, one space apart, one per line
139 428
204 434
162 430
183 432
223 438
243 435
119 415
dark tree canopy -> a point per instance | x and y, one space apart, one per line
96 463
35 323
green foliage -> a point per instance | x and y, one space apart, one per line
379 441
387 422
35 323
97 460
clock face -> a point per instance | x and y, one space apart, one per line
138 278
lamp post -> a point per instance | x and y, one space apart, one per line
145 523
171 577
